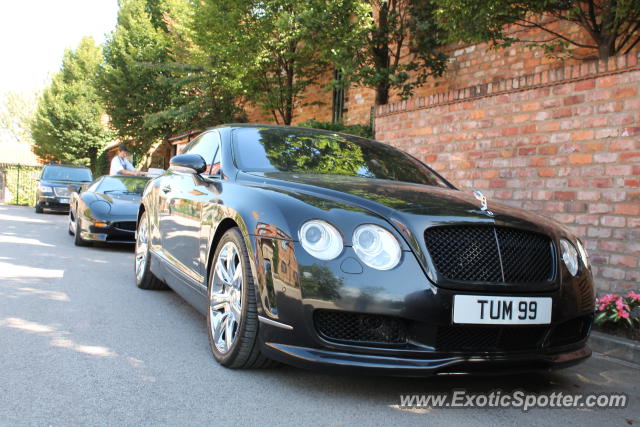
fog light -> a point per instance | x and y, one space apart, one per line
100 224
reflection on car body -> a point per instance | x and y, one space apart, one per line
326 250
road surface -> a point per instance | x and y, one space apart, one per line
81 345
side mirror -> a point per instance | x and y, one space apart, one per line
74 188
193 163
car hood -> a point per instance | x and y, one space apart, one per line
59 183
121 204
410 208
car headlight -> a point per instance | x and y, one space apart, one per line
569 256
583 253
45 188
376 247
100 208
321 239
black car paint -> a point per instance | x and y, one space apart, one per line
51 201
189 218
116 210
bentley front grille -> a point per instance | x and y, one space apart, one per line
480 253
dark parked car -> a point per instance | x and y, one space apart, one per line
53 192
106 211
325 250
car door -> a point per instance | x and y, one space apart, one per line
181 202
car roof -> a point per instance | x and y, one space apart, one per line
70 166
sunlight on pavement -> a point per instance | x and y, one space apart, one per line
57 338
16 218
12 271
52 295
23 241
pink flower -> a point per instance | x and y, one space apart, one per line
602 307
620 305
623 313
633 296
609 298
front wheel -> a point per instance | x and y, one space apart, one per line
232 318
145 279
77 238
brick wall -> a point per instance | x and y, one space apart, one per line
562 141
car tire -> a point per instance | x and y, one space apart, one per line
77 238
70 225
244 350
145 279
39 209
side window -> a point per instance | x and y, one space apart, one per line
207 146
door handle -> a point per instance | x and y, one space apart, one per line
166 188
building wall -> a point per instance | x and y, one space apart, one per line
563 142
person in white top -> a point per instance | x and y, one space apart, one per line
120 165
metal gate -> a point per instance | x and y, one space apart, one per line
18 183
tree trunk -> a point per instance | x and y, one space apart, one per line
381 54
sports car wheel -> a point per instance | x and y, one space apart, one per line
145 279
39 208
77 238
232 318
72 224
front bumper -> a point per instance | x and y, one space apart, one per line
54 203
344 362
110 234
292 296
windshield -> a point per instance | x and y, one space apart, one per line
301 151
60 173
122 184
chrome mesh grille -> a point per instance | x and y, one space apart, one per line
491 254
61 191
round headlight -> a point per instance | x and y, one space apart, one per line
583 253
376 247
100 208
321 239
45 188
569 256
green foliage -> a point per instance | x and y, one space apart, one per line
16 113
153 83
133 82
616 309
401 48
19 180
270 51
364 131
68 122
613 26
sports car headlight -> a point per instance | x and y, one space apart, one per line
569 256
45 188
583 253
321 239
100 208
376 247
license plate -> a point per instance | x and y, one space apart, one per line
477 309
63 200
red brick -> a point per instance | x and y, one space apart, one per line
624 261
564 195
580 159
627 209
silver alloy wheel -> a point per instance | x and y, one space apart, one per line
225 297
142 244
72 223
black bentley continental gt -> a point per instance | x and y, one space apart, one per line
107 210
327 250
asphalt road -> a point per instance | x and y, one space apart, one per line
81 345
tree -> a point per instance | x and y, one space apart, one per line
610 27
134 80
152 83
68 124
16 113
401 48
272 50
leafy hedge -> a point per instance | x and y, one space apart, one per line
358 130
19 182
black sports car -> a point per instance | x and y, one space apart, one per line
52 192
320 249
106 211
